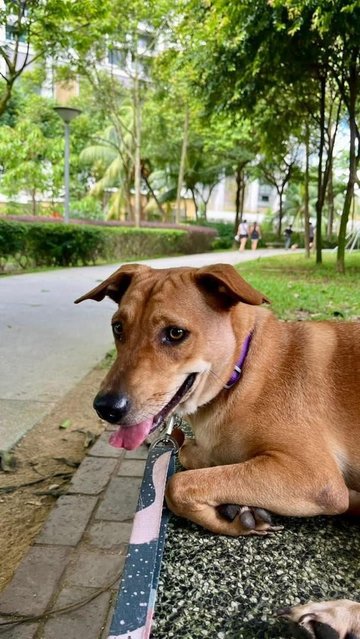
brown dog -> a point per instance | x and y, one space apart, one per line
282 434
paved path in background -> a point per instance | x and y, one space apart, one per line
47 344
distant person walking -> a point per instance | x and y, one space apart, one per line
288 233
255 235
243 233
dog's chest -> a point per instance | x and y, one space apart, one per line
220 444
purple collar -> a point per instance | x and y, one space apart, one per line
237 372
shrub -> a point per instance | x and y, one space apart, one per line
13 242
56 244
129 243
223 233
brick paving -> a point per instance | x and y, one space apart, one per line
80 551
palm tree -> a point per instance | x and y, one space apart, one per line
111 158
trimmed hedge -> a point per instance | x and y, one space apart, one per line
49 244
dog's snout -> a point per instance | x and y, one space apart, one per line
112 408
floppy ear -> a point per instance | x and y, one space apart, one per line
224 283
115 285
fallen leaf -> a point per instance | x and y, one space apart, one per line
65 424
7 461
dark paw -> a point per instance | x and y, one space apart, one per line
253 520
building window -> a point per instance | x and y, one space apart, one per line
144 41
117 57
12 33
264 198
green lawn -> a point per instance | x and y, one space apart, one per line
298 289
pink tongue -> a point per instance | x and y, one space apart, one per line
131 437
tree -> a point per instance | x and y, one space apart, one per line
31 152
278 170
335 27
37 30
108 155
126 35
32 142
233 139
312 45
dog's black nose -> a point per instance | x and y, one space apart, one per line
112 408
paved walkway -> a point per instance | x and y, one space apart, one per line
80 552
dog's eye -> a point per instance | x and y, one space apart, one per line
118 329
174 334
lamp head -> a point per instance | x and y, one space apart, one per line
67 114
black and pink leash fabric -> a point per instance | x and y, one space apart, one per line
134 609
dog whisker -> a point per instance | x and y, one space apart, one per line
217 377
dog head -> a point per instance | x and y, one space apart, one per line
175 343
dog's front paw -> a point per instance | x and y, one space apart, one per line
254 521
325 619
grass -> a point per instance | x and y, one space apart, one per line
299 289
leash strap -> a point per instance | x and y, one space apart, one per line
135 603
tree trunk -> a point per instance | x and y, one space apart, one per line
281 212
306 194
5 97
320 184
182 165
193 195
353 163
242 201
160 208
137 139
205 200
128 182
238 180
330 202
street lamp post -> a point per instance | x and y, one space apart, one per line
67 114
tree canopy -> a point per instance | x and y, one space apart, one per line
177 96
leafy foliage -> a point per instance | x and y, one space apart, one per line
53 244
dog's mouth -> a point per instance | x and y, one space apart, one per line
132 436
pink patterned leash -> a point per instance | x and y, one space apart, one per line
134 609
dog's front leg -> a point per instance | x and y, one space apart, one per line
277 483
253 520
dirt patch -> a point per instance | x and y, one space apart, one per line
47 455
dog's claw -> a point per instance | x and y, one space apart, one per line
254 521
